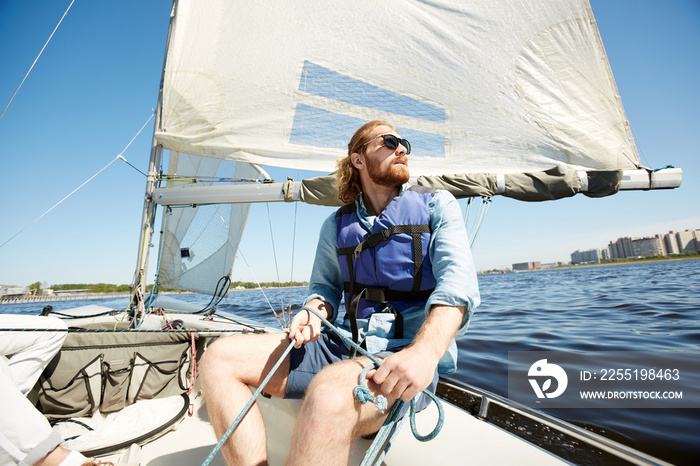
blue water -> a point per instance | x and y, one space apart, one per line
648 306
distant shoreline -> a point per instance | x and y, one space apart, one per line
116 295
569 267
60 298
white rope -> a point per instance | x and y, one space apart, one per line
35 60
119 156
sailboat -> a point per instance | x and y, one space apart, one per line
507 98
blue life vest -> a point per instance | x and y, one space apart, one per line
389 269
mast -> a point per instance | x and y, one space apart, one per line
149 206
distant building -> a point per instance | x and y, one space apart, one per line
687 241
527 266
625 248
591 256
660 245
12 292
674 242
643 247
622 248
52 292
671 243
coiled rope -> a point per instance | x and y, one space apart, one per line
384 438
382 441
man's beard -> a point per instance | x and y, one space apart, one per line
393 177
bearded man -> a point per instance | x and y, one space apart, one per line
400 258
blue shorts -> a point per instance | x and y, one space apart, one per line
307 361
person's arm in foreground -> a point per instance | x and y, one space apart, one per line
325 287
305 326
410 371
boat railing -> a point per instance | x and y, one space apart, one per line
513 417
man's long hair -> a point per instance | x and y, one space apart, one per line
348 178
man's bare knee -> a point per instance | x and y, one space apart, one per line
245 358
222 352
331 390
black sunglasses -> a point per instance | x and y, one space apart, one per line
392 142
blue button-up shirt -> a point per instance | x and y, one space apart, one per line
453 268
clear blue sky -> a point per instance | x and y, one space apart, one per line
97 81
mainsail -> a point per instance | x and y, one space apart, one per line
478 87
510 97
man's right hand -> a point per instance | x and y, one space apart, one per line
306 326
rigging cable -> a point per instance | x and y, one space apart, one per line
277 269
119 156
291 272
59 202
478 220
481 215
137 296
261 289
634 144
36 59
155 280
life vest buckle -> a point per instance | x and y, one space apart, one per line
372 241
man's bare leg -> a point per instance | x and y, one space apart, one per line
228 367
330 417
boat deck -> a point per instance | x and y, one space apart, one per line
463 438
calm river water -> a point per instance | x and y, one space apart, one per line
646 306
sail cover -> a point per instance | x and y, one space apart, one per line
504 86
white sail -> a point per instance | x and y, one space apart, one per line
505 97
505 86
200 241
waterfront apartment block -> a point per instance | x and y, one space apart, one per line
527 266
591 256
673 242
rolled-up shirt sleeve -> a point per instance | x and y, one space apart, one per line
451 258
326 282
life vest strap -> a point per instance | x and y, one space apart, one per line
386 295
380 236
352 315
